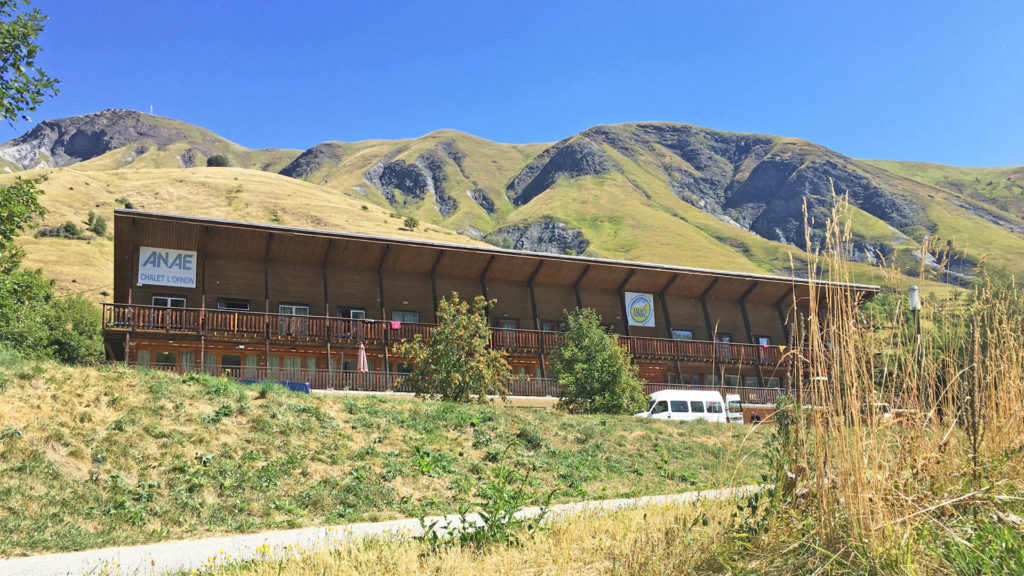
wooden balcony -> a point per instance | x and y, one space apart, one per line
234 326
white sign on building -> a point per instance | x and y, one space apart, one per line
639 309
164 267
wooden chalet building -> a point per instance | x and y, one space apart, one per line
258 302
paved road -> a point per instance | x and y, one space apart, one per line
185 555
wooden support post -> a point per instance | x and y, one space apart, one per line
704 308
668 323
327 313
782 315
266 298
202 309
383 308
576 286
483 286
536 319
433 280
750 333
622 302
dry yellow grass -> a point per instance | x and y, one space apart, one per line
656 540
81 266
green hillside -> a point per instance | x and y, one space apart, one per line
658 192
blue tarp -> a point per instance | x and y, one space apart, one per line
295 386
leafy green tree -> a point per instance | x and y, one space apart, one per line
594 373
411 222
20 207
457 363
22 84
217 160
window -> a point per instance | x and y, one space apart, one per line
505 336
298 327
682 334
659 408
732 381
188 361
352 313
550 326
403 368
725 338
679 406
252 366
763 340
166 360
751 381
233 304
232 362
771 382
169 301
142 357
404 316
714 407
508 324
696 406
690 379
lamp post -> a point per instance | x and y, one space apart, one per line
914 297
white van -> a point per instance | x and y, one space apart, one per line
687 405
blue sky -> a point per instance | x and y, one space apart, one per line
932 81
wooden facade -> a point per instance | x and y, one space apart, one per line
274 302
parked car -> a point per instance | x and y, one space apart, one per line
734 408
686 405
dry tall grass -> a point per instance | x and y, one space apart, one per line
860 491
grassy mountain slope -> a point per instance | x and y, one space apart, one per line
659 192
92 457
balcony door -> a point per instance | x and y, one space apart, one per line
295 324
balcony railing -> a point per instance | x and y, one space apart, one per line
392 382
237 325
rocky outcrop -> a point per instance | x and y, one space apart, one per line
57 143
426 178
570 158
481 198
327 153
189 158
450 149
759 183
546 235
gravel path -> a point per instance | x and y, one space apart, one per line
186 555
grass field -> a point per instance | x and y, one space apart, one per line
93 457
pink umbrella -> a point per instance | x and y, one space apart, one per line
361 365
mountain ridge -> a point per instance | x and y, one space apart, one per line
655 191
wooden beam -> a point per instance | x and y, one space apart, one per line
433 279
668 322
327 311
576 286
622 301
483 286
536 318
704 308
266 295
202 309
750 333
782 314
383 308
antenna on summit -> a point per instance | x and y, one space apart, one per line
150 108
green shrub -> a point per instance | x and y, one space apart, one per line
217 161
99 226
411 222
457 363
594 373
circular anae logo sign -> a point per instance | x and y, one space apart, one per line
640 308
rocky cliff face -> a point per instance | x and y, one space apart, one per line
759 183
326 154
546 235
57 143
425 178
